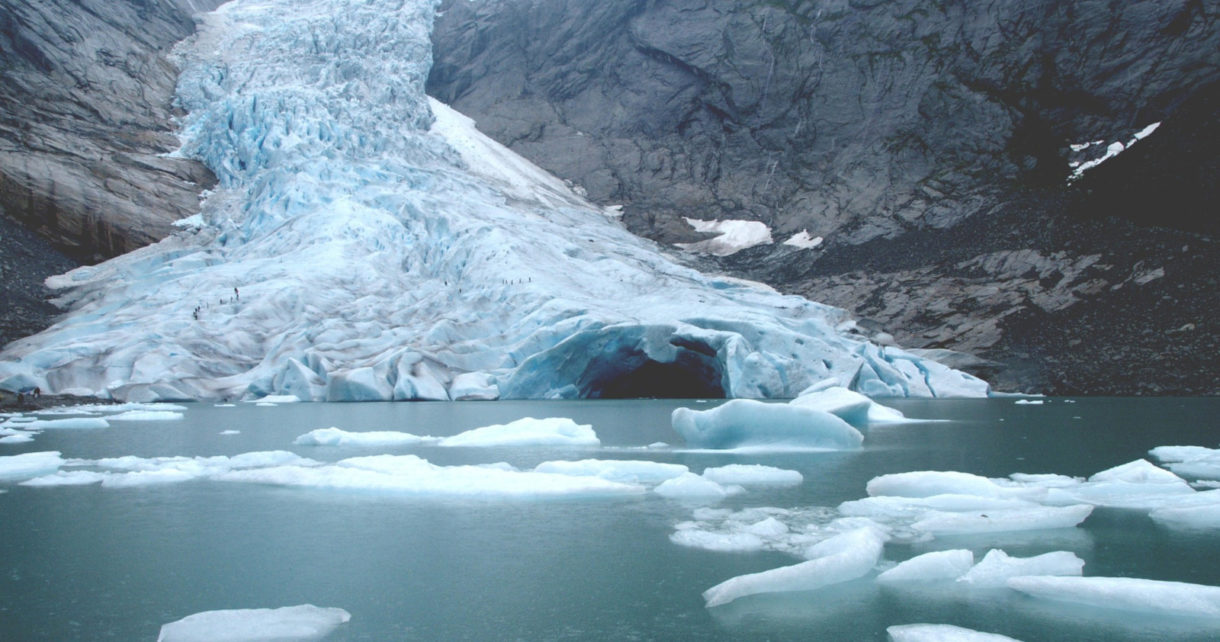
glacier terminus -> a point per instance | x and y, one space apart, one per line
367 243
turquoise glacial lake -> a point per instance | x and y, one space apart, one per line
90 562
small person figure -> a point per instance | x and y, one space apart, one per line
236 295
37 392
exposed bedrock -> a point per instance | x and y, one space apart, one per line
930 143
85 123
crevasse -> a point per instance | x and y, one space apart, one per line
367 243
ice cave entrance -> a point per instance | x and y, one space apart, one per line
634 375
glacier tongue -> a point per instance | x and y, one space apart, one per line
368 243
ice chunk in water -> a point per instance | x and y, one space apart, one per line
929 567
552 431
29 465
339 437
147 415
692 486
71 423
997 567
629 471
1125 593
753 474
848 405
941 633
303 622
411 475
929 483
996 521
841 558
749 424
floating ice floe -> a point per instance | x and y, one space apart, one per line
1004 520
110 408
303 622
367 243
70 423
941 633
27 465
784 530
930 567
850 406
626 471
839 559
373 438
551 431
130 471
997 567
745 424
1125 594
1190 461
17 437
413 476
753 475
692 486
147 415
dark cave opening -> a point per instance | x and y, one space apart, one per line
691 375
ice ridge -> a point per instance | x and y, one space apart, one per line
368 243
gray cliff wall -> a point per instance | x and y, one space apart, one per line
85 116
852 119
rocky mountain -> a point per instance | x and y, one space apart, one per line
85 122
939 148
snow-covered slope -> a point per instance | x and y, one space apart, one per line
365 243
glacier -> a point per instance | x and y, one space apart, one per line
366 242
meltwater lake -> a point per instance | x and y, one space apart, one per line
115 561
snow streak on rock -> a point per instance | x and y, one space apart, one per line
365 243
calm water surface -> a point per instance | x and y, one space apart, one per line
92 563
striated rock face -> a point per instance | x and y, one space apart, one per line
933 144
851 119
86 91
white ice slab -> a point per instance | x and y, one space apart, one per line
941 633
938 566
619 470
303 622
1125 594
839 559
997 567
29 465
552 431
753 475
374 438
692 486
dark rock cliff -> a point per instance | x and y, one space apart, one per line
929 141
85 121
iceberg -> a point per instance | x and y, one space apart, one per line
70 423
367 243
750 424
413 476
789 531
839 559
552 431
694 487
303 622
753 474
1006 520
28 465
1125 594
374 438
850 406
941 633
619 470
147 415
997 567
930 567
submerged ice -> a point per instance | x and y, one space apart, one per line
366 243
